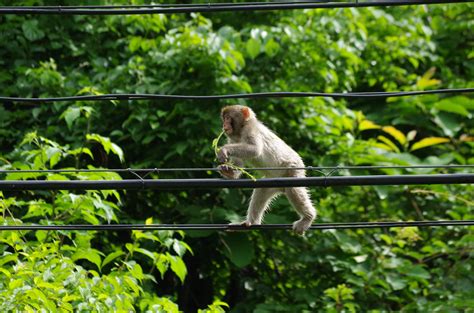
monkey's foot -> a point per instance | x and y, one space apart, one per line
301 226
244 223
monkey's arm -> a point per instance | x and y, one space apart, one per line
239 150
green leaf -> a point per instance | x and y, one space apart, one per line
112 256
137 234
104 141
136 271
90 255
366 125
466 102
429 141
53 154
132 284
347 243
177 266
162 263
382 191
117 151
31 30
135 44
450 105
253 47
178 248
271 48
70 115
416 271
80 151
239 249
395 133
107 145
450 124
396 282
41 235
146 252
389 143
426 81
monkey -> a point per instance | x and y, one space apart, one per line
251 142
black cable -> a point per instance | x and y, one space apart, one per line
239 96
207 183
228 227
215 169
216 7
162 5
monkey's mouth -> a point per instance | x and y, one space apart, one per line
228 131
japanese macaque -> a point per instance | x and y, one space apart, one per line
251 142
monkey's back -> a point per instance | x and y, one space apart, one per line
276 153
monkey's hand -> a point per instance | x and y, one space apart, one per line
228 172
223 155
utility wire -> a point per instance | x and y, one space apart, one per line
239 96
216 169
214 7
230 227
161 5
207 183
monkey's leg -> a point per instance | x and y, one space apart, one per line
300 200
259 203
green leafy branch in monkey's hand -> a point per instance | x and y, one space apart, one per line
215 146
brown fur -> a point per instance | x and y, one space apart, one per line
251 142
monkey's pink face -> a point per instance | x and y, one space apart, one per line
227 125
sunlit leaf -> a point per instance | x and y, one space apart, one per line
366 124
178 267
145 252
389 143
427 142
395 133
91 255
112 256
427 81
253 47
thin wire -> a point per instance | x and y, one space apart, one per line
216 169
259 95
64 10
230 227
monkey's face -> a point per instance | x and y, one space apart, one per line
234 118
227 124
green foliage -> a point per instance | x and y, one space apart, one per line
44 270
343 50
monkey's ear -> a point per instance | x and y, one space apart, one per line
246 113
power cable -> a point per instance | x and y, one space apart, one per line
238 96
207 183
230 227
214 7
